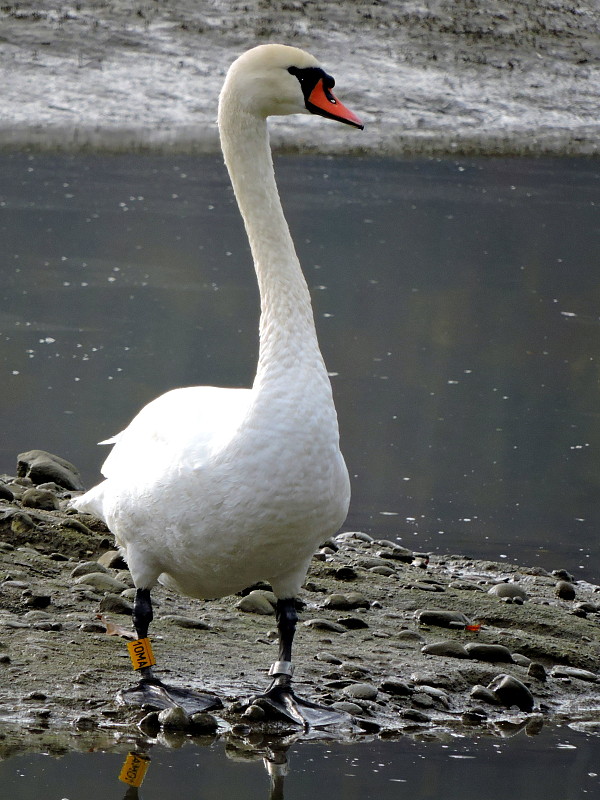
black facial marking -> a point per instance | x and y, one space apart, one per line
308 79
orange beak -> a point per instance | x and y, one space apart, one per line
322 101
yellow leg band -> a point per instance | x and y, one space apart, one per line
141 653
134 768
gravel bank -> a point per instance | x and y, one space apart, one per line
442 76
408 645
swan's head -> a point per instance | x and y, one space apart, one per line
274 79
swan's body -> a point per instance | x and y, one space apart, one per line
209 490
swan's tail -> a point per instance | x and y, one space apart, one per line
92 502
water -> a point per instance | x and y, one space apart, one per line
458 309
556 765
457 304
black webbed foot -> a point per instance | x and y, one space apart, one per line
154 694
281 702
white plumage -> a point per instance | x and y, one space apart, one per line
209 490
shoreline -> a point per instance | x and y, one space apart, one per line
448 78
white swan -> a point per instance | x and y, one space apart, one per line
209 490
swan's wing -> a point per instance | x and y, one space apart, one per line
185 425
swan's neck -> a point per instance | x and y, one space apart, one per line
287 332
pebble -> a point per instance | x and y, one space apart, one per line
414 716
325 625
448 648
327 657
345 574
175 718
361 691
512 692
204 723
565 590
112 559
353 623
537 671
40 498
115 604
489 652
508 591
358 535
258 601
387 572
40 467
186 622
397 553
441 618
479 692
347 707
395 687
574 672
346 602
88 568
422 699
101 582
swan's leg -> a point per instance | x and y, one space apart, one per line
151 691
280 697
142 617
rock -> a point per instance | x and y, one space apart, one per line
345 574
489 652
347 707
88 568
5 492
574 672
175 719
114 603
413 715
346 602
21 522
397 553
325 625
112 559
254 712
358 535
512 692
422 699
508 591
204 723
406 635
388 572
521 660
258 601
353 623
101 582
441 618
361 691
186 622
447 648
39 498
426 587
327 657
37 600
565 590
395 687
482 693
537 671
40 467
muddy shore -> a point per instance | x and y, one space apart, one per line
441 77
405 644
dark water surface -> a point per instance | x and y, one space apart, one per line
458 308
553 766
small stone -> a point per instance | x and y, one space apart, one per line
395 687
361 691
347 707
345 574
84 722
512 692
346 602
441 618
397 553
149 724
413 715
258 601
101 582
353 623
203 723
489 652
38 600
116 604
21 523
479 692
254 712
574 672
186 622
327 657
325 625
175 719
565 590
5 492
537 671
407 635
422 699
40 467
112 559
58 557
358 535
36 696
511 591
87 568
39 498
447 648
92 627
521 660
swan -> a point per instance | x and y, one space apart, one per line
209 490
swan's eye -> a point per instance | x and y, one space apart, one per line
309 77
